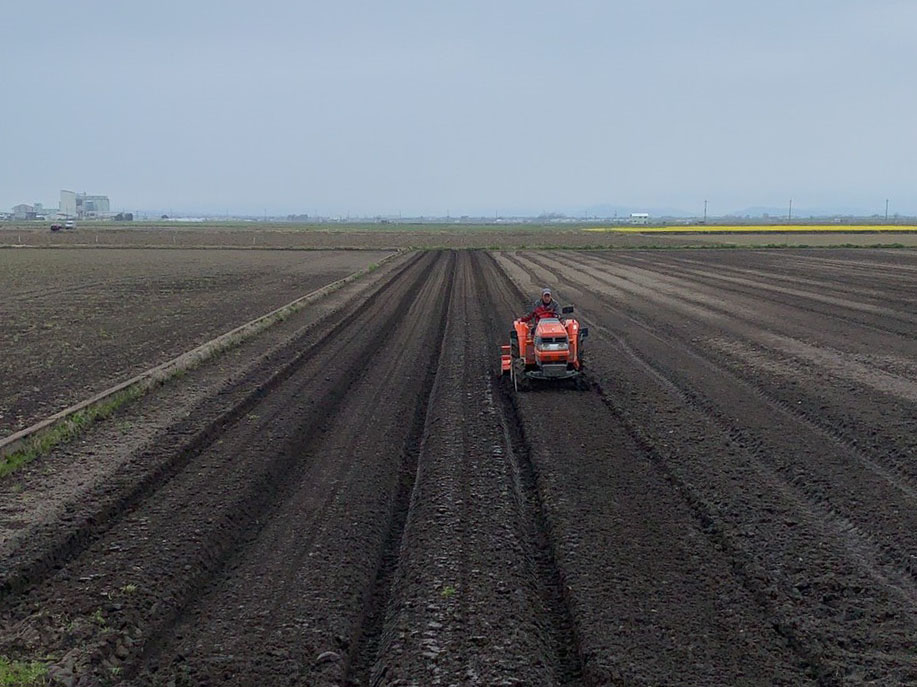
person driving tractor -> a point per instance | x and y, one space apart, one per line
545 306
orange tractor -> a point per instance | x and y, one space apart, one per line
550 350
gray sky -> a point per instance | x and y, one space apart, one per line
467 107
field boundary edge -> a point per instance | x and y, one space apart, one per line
20 447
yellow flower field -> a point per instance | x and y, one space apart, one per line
758 228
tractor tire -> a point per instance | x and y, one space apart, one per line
520 381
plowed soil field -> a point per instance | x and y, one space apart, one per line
732 501
76 321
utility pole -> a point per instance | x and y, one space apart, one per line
705 212
886 210
789 215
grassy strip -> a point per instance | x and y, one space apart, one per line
22 673
79 421
67 430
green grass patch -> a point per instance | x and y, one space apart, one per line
22 673
67 430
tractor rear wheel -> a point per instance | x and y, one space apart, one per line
520 381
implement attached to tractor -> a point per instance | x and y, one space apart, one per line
550 350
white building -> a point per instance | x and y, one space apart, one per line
639 218
82 205
36 211
68 203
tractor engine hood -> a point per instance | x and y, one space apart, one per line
550 327
551 342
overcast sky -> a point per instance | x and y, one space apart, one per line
467 107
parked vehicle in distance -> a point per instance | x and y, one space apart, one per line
69 224
57 227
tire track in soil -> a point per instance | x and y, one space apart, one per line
848 279
680 291
86 340
564 641
740 563
893 605
39 494
793 270
655 557
847 436
829 307
892 471
366 642
469 600
103 507
312 539
860 544
274 617
77 586
798 326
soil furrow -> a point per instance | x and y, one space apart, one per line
858 283
365 645
470 599
837 426
366 502
885 598
867 315
562 632
892 537
272 581
109 314
144 474
239 492
611 516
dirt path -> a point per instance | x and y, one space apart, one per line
732 502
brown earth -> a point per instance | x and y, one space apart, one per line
78 321
362 502
380 236
324 237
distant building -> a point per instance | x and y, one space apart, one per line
83 206
36 211
68 203
639 218
25 211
